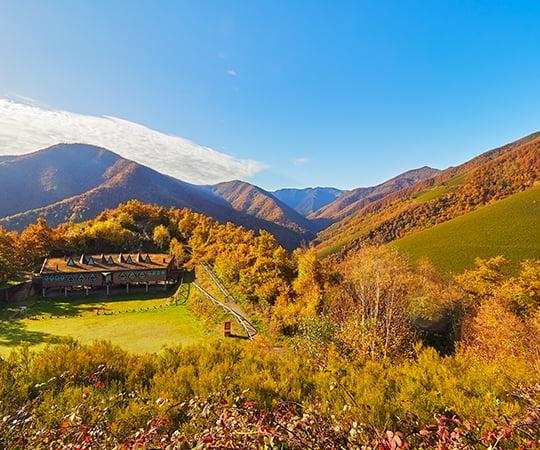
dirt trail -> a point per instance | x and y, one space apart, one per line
229 304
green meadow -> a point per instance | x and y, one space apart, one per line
139 322
509 227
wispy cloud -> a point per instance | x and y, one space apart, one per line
26 126
301 161
232 72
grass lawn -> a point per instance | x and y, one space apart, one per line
509 227
140 323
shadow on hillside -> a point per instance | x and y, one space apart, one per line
74 306
14 333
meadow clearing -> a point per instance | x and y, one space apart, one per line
137 322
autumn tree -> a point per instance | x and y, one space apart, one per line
36 242
504 310
161 237
495 331
371 302
178 251
304 302
8 255
485 278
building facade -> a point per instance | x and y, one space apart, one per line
106 272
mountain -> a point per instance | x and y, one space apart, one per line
38 179
26 126
508 227
456 191
76 182
305 201
259 203
356 199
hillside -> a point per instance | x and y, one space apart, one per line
351 202
490 176
308 200
40 178
509 227
111 180
257 202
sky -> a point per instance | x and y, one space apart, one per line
308 93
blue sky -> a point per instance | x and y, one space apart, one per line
341 94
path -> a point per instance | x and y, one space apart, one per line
232 307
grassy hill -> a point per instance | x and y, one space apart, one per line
509 227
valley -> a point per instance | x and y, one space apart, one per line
276 225
436 275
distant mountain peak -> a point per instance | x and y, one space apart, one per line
306 200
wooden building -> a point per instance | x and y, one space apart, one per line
106 272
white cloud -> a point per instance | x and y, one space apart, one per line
231 72
27 126
301 161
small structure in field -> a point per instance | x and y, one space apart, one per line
90 272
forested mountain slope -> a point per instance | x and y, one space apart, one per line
40 178
257 202
351 202
491 176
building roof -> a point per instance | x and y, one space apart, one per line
99 263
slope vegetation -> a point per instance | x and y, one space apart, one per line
491 176
509 227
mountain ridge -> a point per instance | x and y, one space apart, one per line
121 180
356 199
260 203
307 200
